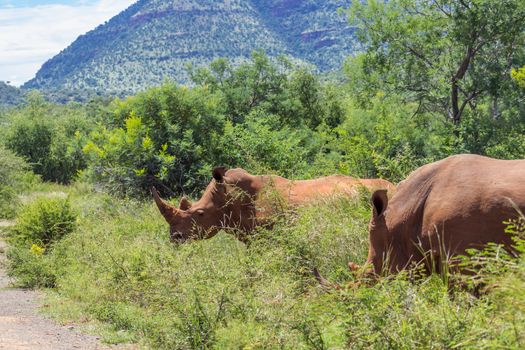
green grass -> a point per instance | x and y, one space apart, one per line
15 178
118 272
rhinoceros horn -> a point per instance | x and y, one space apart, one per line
167 210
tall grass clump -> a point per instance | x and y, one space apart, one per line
501 276
39 226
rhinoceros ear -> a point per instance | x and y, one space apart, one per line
379 202
218 174
184 204
166 209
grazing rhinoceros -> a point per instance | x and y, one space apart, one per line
444 208
235 199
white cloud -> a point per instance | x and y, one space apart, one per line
29 36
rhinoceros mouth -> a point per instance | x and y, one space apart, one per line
177 237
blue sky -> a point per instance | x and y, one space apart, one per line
25 3
33 31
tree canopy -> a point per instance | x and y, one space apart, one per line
445 54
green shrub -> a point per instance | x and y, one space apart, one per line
49 137
39 226
8 202
31 267
380 141
261 115
261 145
43 222
15 177
164 136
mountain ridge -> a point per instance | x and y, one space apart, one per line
153 40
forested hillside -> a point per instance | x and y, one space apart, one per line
154 40
9 95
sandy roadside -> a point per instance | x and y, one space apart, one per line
23 327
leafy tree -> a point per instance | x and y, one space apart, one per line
445 54
518 74
49 137
380 141
167 136
254 84
262 115
278 88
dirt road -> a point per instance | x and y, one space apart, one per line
23 327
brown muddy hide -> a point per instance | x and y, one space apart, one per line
219 208
388 246
378 231
183 221
443 209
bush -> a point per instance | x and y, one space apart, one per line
164 136
261 115
32 268
500 136
49 137
15 177
39 226
8 202
43 222
380 140
261 146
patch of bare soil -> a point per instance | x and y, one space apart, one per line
5 223
22 327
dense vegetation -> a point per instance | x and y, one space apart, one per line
104 250
118 268
15 178
155 39
9 95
